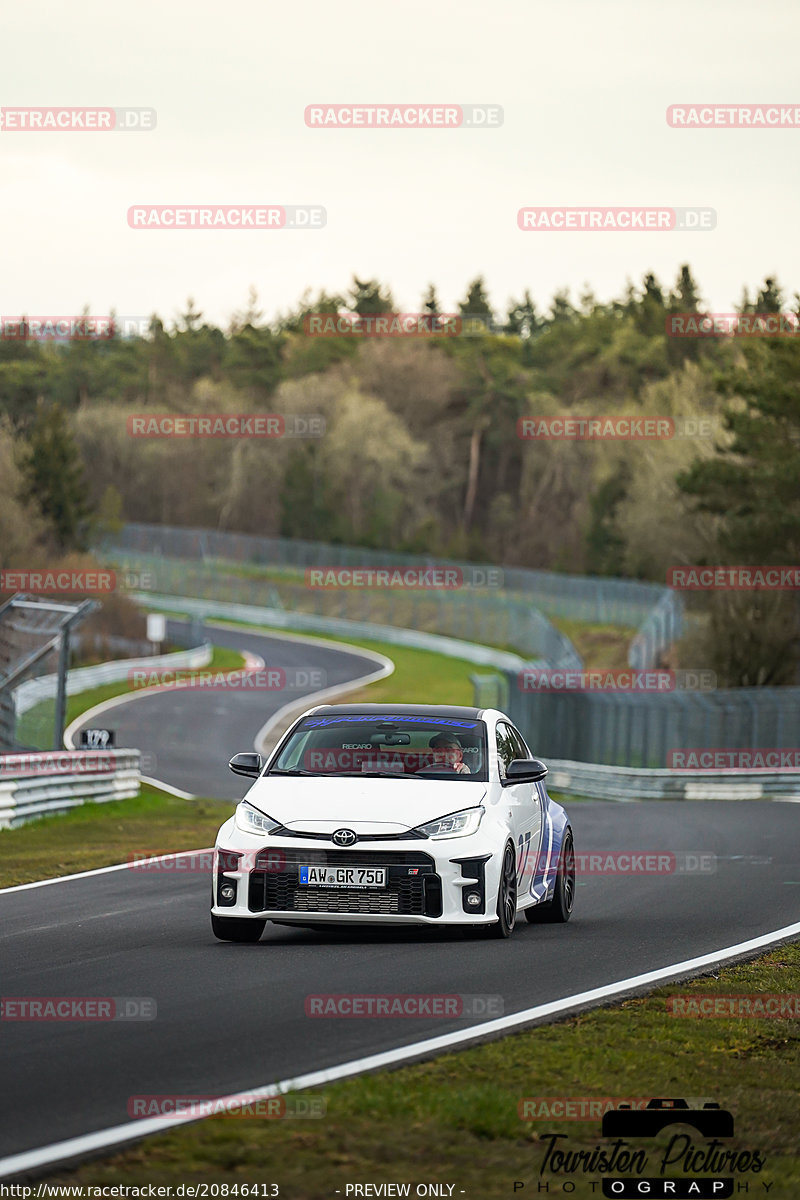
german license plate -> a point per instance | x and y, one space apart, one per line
344 877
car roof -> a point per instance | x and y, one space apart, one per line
422 710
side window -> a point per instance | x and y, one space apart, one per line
505 747
520 749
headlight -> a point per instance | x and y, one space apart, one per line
252 821
454 824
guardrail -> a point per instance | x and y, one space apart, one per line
473 615
654 610
36 785
593 781
81 679
255 614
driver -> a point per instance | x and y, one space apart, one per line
447 752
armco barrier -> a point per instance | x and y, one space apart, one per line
311 623
655 611
494 615
36 785
81 679
595 782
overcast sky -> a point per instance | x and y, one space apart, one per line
584 85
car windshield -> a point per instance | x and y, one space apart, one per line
393 745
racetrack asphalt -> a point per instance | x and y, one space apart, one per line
233 1017
189 734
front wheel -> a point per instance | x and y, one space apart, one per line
559 909
506 896
236 929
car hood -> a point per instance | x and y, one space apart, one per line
363 805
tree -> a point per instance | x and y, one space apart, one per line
561 308
476 302
751 487
368 298
190 320
752 639
770 298
253 359
522 319
685 295
490 399
430 301
55 478
605 548
651 312
21 525
684 298
250 315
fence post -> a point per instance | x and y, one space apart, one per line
61 693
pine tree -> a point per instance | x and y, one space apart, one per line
430 301
523 319
752 488
369 298
55 478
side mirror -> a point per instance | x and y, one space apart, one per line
246 764
525 770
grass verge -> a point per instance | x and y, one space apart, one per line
99 835
602 647
456 1119
419 677
35 727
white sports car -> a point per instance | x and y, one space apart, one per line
406 814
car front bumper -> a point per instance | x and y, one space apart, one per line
451 881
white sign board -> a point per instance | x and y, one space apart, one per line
156 627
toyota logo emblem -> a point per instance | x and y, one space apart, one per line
345 837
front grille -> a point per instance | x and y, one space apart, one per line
412 835
346 858
404 894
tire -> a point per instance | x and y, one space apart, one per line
236 929
559 909
506 896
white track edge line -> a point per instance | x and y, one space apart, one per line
256 663
126 866
386 668
116 1135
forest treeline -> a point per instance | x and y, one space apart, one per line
421 449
